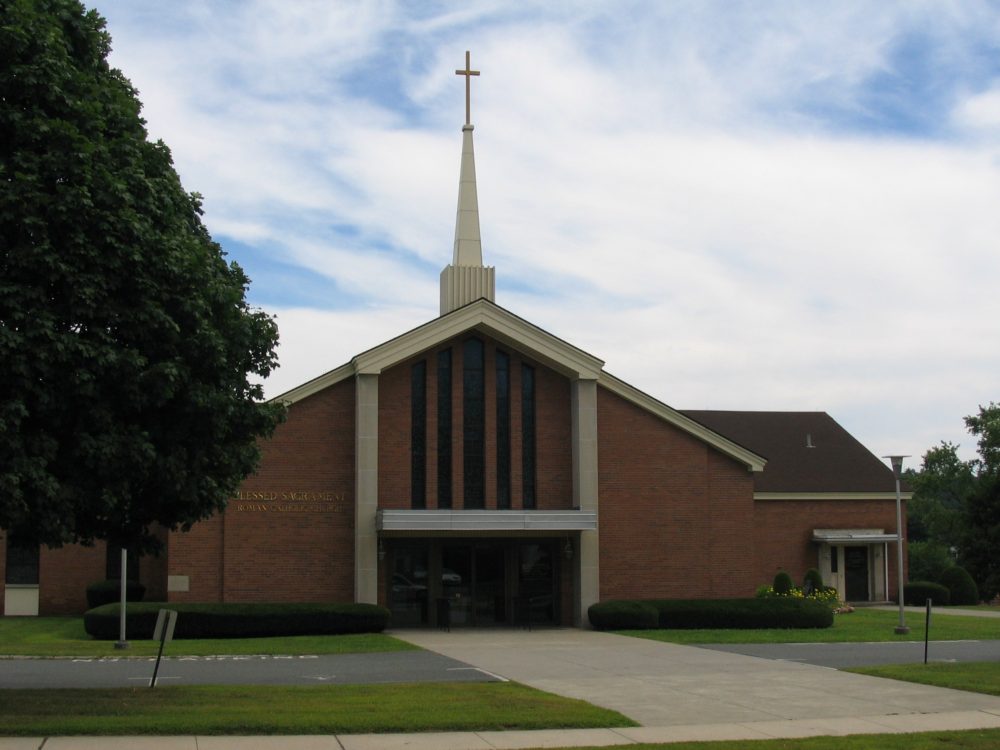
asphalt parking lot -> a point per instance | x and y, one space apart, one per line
399 666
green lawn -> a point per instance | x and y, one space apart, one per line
979 677
327 709
862 625
65 636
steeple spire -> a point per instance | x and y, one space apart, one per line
466 279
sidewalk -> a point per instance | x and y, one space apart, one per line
940 611
543 738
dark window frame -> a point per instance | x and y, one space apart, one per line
502 367
528 448
474 423
418 435
444 428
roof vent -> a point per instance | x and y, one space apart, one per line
809 441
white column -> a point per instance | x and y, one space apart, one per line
587 573
366 489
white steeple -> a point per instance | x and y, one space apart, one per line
466 279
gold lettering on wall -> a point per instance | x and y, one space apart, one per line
287 501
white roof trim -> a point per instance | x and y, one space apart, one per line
688 425
527 338
491 319
830 495
316 384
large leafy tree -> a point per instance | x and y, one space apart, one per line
954 515
981 550
127 348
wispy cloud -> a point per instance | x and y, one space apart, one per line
735 204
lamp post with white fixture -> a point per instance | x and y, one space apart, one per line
897 470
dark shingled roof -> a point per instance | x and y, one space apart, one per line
837 462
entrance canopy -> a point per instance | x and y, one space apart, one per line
852 536
485 520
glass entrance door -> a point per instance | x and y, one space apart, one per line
481 582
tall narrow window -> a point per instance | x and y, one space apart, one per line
418 435
528 435
474 423
444 429
503 430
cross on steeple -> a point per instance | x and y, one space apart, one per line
468 73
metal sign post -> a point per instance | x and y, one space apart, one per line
163 632
927 627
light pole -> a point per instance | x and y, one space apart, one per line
897 469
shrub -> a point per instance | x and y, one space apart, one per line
961 587
238 620
106 592
812 580
782 583
777 612
928 560
623 615
916 593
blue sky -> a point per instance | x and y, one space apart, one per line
737 205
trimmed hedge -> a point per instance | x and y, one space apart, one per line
687 614
108 591
238 620
960 585
623 615
916 593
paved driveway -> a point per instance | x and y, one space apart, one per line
663 684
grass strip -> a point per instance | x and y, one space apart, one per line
860 626
65 636
978 676
323 709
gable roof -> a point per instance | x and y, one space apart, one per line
806 452
522 336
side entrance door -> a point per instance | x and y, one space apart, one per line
856 574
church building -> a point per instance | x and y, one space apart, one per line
479 470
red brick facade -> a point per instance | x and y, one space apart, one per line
783 529
289 534
676 516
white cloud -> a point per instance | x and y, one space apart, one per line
660 184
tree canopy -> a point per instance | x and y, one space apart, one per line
128 349
955 511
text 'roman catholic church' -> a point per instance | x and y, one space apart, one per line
479 468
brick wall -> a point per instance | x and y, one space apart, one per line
676 516
274 546
783 531
65 573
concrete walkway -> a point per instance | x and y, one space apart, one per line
664 684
